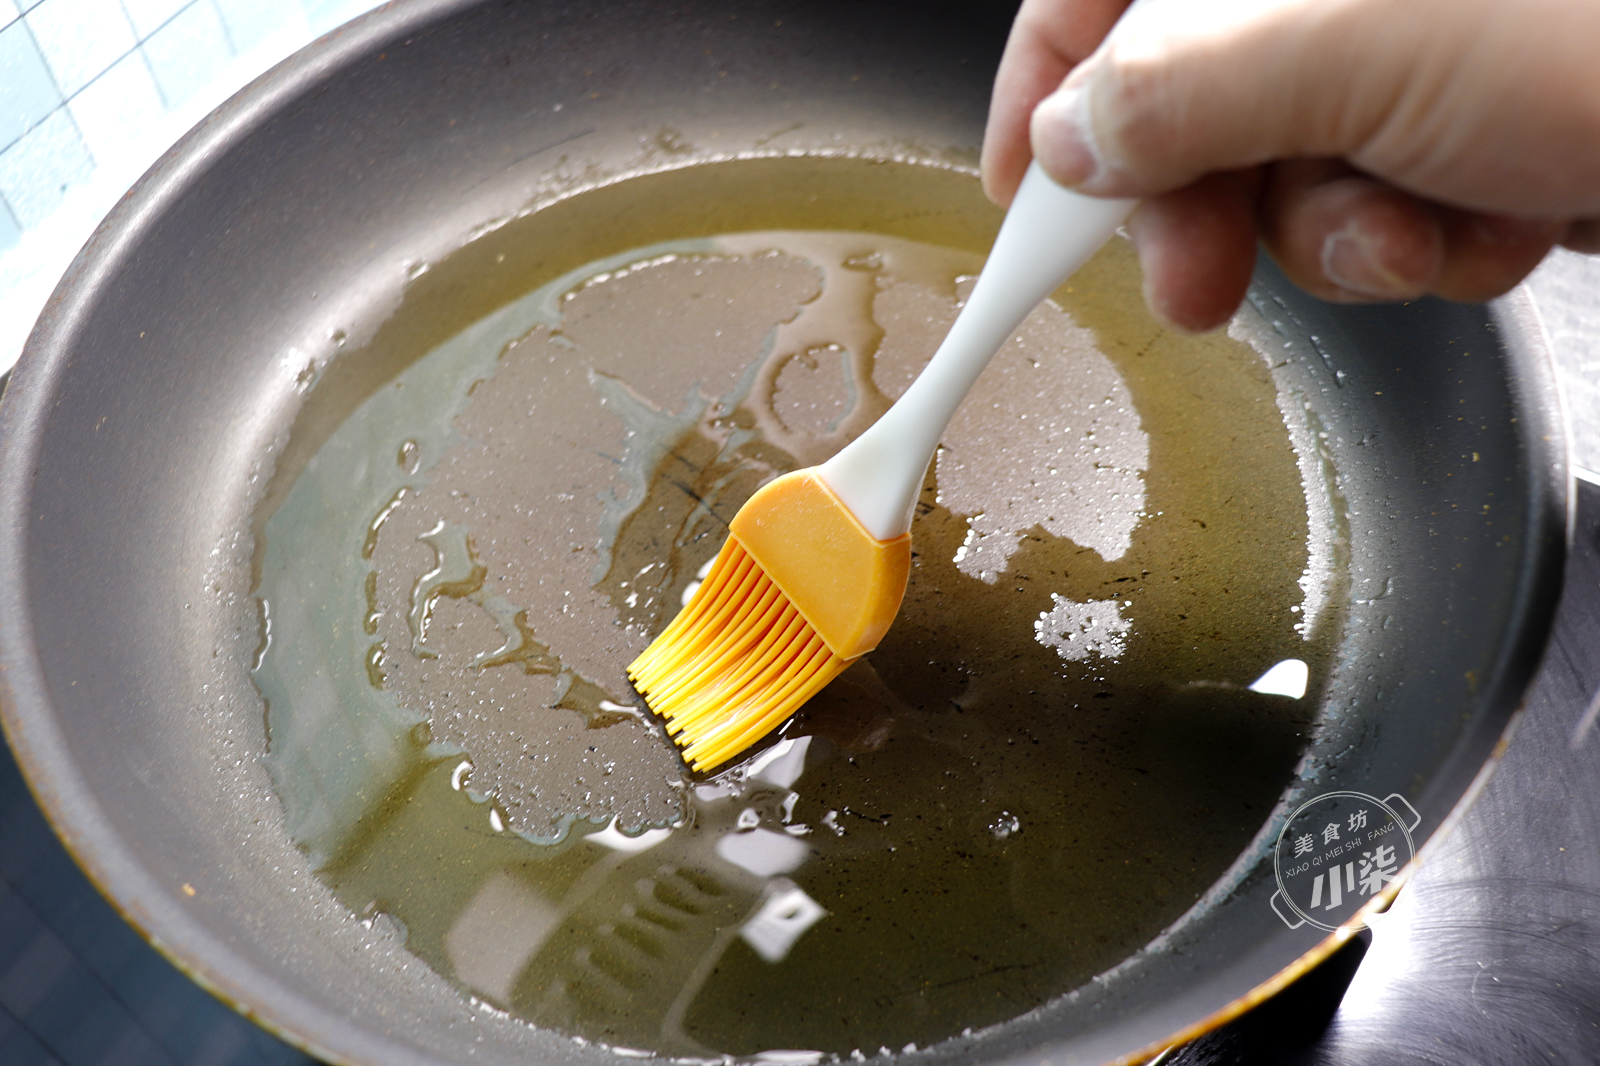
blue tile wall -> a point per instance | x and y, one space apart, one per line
187 51
249 22
37 170
119 109
10 231
324 15
27 91
80 38
91 91
78 987
148 16
18 1047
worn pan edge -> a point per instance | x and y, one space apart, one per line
1516 317
39 745
75 817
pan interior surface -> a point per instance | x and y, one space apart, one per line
1054 754
417 178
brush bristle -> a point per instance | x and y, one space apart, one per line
736 662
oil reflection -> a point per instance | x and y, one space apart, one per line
1288 678
581 882
618 933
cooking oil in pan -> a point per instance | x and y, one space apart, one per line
1049 759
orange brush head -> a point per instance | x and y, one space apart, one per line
799 591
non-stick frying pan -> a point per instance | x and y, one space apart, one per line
146 427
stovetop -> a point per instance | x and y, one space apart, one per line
1490 955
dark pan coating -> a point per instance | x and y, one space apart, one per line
270 249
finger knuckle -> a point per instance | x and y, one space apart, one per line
1140 116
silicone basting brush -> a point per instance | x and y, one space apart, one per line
816 562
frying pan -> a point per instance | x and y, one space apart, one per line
162 405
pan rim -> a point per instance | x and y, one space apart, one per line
38 744
41 747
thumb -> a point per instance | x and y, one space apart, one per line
1182 89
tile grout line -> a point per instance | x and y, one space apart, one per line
133 1017
138 46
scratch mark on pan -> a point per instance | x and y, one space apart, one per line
557 143
1581 732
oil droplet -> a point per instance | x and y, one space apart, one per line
375 665
456 573
374 615
370 544
523 649
718 914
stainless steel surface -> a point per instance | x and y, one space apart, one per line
1492 953
1489 955
1566 290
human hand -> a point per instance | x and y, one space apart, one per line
1381 149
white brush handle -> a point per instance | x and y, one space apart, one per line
1046 236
